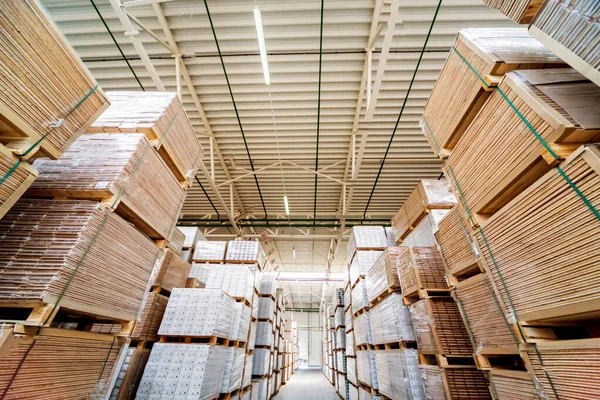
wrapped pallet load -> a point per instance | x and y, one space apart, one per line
161 117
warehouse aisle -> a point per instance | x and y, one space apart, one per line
307 383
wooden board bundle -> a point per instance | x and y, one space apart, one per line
456 243
122 170
170 272
546 244
176 241
459 94
512 385
382 278
421 268
100 261
491 333
130 374
13 183
428 195
161 117
499 156
57 364
465 384
520 11
439 327
42 81
566 370
570 29
151 317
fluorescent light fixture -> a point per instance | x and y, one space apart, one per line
261 44
294 252
287 206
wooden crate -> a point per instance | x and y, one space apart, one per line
161 117
520 11
566 369
439 328
121 170
60 364
44 76
546 245
499 155
459 93
15 177
569 29
421 271
428 195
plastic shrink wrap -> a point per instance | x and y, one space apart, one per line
213 251
362 261
232 374
242 250
382 275
366 237
398 374
362 329
240 322
366 369
234 279
390 321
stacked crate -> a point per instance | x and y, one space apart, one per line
264 357
520 247
366 245
290 335
340 343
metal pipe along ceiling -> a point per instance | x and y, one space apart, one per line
212 27
403 105
318 112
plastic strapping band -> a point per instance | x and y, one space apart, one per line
432 136
79 263
45 135
576 189
493 386
493 296
464 317
545 371
471 67
106 360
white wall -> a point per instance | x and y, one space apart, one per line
309 337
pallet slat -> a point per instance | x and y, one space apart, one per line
520 11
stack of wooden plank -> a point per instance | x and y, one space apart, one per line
75 255
123 171
161 117
176 241
466 383
427 196
457 245
421 272
460 93
559 104
508 384
49 98
58 364
170 272
565 369
382 276
130 374
544 257
570 29
520 11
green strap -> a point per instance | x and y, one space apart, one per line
466 320
106 361
493 386
537 352
493 296
45 135
432 136
576 189
483 82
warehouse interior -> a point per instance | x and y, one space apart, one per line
237 199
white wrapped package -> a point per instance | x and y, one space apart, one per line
261 359
240 322
422 235
339 359
366 237
389 233
390 321
339 297
246 396
362 261
360 299
350 344
398 374
197 312
232 374
366 369
267 286
242 250
341 379
366 395
247 380
201 272
348 320
362 329
266 308
213 251
346 295
383 274
234 279
192 236
353 392
252 339
260 389
188 371
340 339
264 334
351 370
340 318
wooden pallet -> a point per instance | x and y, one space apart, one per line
487 361
383 295
421 294
405 344
212 340
444 361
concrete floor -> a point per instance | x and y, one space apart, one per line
307 384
